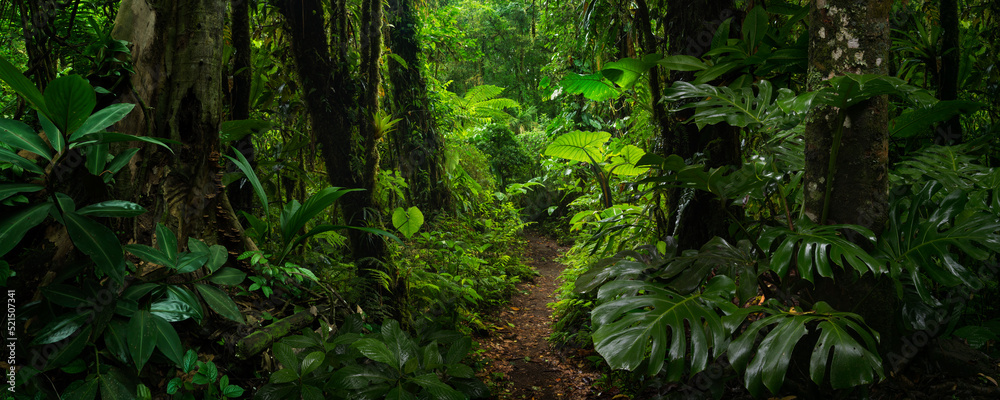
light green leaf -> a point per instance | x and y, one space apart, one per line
594 86
236 130
587 147
682 63
409 221
102 120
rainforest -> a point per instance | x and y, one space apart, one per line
500 199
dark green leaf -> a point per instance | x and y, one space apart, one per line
115 339
115 137
97 157
115 385
101 120
244 165
20 162
70 100
286 356
61 327
168 341
66 295
69 351
20 136
166 241
121 160
682 63
377 351
236 130
9 189
150 255
113 208
283 375
141 337
227 276
220 302
17 81
312 361
98 242
52 133
87 390
190 262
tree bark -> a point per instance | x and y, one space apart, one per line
420 154
851 36
241 196
177 55
951 130
331 103
703 216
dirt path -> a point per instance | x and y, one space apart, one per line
520 361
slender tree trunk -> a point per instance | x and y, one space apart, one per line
241 195
38 24
851 36
177 54
330 100
420 157
948 87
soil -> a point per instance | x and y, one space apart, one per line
519 361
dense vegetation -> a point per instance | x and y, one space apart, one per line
326 199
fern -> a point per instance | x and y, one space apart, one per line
480 106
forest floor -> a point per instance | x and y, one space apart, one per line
519 361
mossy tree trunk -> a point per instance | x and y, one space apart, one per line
420 152
338 111
850 36
177 55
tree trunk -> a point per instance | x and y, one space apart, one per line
951 130
420 152
851 36
177 54
703 216
330 101
241 195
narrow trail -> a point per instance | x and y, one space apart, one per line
520 361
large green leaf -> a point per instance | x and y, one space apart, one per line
853 363
66 295
220 302
286 356
581 146
376 350
755 28
151 255
61 327
112 208
630 327
101 120
69 350
70 100
627 71
294 217
241 162
399 343
924 236
951 166
141 337
919 120
115 137
20 162
98 242
737 107
624 162
166 241
17 81
594 86
168 341
227 276
19 135
53 133
14 227
682 63
816 248
115 338
236 130
408 221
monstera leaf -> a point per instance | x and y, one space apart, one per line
631 328
816 248
853 363
739 107
924 234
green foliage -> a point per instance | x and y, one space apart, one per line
201 375
384 363
508 160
